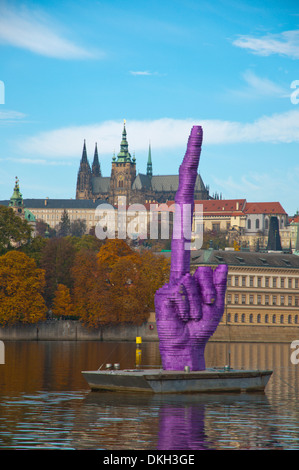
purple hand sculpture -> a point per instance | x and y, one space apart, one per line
188 308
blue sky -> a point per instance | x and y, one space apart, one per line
74 70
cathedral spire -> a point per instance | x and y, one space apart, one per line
96 169
84 153
149 168
124 155
84 183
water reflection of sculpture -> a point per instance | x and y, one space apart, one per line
188 308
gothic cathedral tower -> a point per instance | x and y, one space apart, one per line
85 174
123 172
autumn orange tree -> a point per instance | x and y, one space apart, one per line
21 288
133 279
91 296
62 303
154 271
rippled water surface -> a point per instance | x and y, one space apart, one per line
45 402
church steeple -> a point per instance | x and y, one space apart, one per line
96 169
84 154
149 168
16 201
124 155
84 185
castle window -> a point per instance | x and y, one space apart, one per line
243 318
259 318
236 318
266 318
257 224
289 319
251 318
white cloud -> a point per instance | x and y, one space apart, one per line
32 30
142 73
11 115
263 86
285 43
37 161
163 133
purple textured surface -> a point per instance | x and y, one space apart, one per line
188 308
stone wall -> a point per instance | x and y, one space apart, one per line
68 330
256 334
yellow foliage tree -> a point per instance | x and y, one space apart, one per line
111 251
62 303
21 288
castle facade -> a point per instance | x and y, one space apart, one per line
123 181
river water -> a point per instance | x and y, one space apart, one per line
45 402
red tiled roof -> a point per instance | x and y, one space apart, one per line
264 208
222 205
294 220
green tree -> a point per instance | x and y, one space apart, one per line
64 227
86 242
14 231
78 228
35 248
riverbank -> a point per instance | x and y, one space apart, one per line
71 330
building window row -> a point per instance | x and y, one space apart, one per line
258 299
260 318
259 281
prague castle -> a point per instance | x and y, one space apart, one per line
123 181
